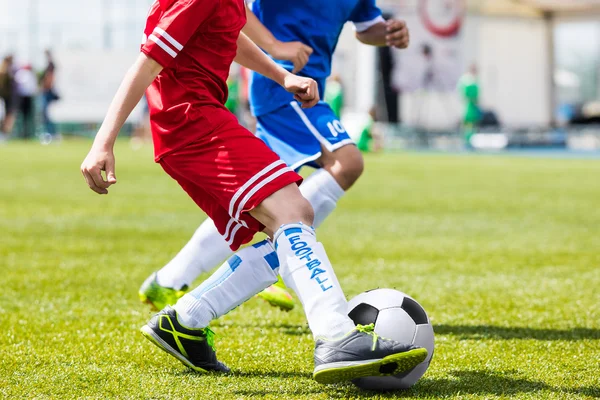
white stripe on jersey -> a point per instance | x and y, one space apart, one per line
163 46
259 186
170 39
250 182
363 26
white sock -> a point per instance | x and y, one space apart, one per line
205 250
306 269
245 274
323 193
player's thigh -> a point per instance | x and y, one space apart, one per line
232 172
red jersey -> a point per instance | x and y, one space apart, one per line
195 41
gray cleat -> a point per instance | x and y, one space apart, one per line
363 353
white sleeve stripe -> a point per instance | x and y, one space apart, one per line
163 46
169 38
363 26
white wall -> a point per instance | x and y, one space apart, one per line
513 57
87 82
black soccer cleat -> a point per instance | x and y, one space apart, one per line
193 347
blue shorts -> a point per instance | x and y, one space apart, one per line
297 134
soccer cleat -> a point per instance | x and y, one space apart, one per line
278 296
195 348
159 296
363 353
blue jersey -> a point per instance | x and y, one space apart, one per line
316 23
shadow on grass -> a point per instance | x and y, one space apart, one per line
499 332
288 329
246 374
462 331
481 383
485 382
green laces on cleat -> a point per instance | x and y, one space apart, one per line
369 330
210 337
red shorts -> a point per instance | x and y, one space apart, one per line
228 173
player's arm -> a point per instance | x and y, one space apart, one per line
296 52
305 90
101 157
392 33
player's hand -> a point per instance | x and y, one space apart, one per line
98 160
397 34
296 52
305 90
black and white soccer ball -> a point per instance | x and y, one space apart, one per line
396 316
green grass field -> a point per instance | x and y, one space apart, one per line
503 252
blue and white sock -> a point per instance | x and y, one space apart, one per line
306 269
245 274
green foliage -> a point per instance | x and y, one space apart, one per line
503 252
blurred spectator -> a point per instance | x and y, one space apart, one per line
245 114
334 94
49 95
26 86
233 98
370 139
429 77
7 96
468 86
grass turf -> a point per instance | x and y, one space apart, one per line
503 252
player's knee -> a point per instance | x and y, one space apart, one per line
297 209
346 165
306 211
286 206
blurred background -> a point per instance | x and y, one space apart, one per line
480 199
481 74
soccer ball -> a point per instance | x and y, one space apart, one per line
399 317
